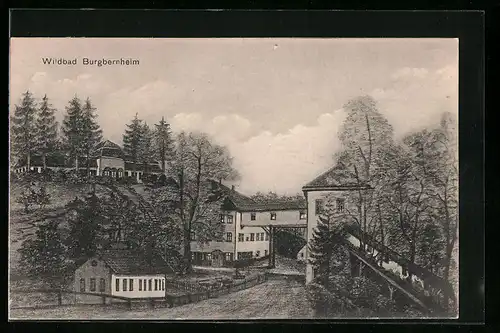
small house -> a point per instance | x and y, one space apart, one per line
121 272
301 256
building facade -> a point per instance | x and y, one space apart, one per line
329 191
121 272
241 239
107 159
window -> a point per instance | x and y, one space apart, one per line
261 236
221 218
192 255
273 216
140 284
117 284
252 237
340 205
156 284
229 256
252 216
102 285
209 256
131 284
229 219
82 285
162 284
247 238
258 237
318 209
257 253
302 255
145 287
92 284
229 236
267 236
124 284
193 236
265 252
302 215
93 263
150 284
241 237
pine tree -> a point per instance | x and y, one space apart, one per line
132 139
45 256
320 251
24 128
146 151
163 142
91 131
72 130
46 130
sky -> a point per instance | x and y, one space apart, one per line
275 103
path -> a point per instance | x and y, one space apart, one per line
274 299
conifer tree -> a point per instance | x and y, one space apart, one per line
146 151
132 139
44 257
23 127
91 131
46 130
320 251
72 130
163 142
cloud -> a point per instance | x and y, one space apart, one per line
421 99
284 162
281 162
408 72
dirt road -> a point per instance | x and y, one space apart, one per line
274 299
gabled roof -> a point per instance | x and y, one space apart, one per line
237 199
337 177
126 261
241 202
109 149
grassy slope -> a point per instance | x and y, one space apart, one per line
22 226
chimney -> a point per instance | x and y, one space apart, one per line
220 180
232 188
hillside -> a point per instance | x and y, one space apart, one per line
23 225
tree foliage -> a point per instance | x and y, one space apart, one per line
45 256
163 142
72 130
190 195
23 128
46 130
132 139
91 133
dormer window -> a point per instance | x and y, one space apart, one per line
273 216
252 216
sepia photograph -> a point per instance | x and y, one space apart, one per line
233 178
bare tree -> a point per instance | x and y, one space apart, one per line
364 136
190 197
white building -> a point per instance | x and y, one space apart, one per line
121 272
243 240
330 188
